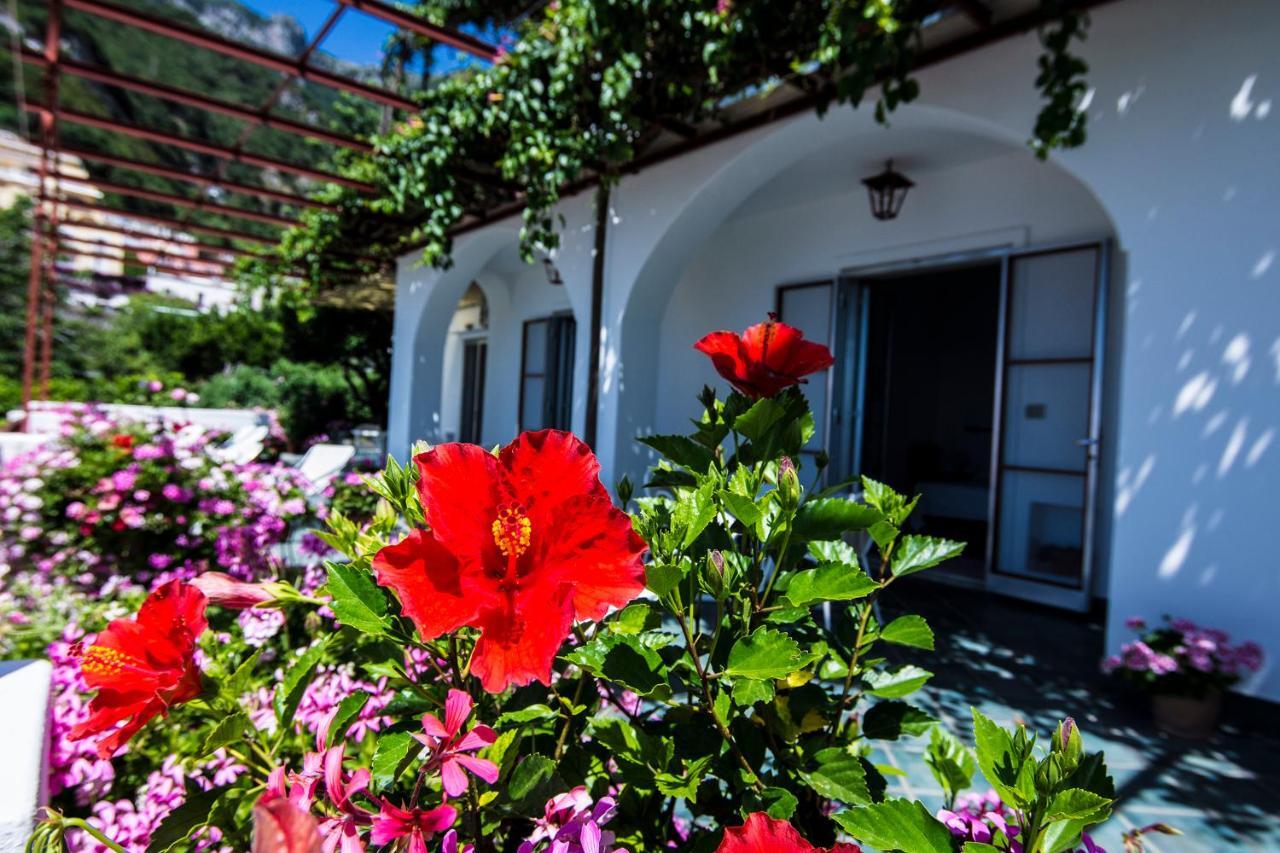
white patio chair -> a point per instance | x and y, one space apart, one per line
323 462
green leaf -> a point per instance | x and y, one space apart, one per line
765 653
634 619
681 450
180 823
748 691
899 681
892 719
910 631
662 578
531 714
686 784
897 825
227 731
743 508
829 582
757 420
624 660
394 753
978 847
1076 804
998 761
348 710
531 781
917 553
694 512
235 686
950 761
832 518
839 775
357 600
294 684
777 803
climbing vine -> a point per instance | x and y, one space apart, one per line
585 88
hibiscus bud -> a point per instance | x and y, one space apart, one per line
225 591
789 483
625 490
713 575
1067 739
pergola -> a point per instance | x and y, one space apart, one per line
55 213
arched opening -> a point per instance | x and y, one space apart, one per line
466 350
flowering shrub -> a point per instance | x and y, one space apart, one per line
500 659
141 501
1181 658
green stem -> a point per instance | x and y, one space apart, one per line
711 704
777 566
97 835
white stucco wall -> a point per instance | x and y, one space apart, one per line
1181 160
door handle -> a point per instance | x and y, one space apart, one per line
1086 442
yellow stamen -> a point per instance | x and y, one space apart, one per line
511 530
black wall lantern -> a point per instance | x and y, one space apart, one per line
553 273
887 191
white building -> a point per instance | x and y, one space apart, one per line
1091 345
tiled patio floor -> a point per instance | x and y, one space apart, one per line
1018 661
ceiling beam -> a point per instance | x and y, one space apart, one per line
245 53
175 224
444 35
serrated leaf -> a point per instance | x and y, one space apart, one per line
357 600
748 691
662 578
530 782
829 582
839 775
184 820
633 619
917 553
681 450
393 755
235 686
624 660
227 731
765 653
348 710
777 803
743 508
909 630
896 682
892 719
289 692
757 420
531 714
1002 766
897 824
686 784
1075 804
950 761
831 518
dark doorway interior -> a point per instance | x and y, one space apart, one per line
929 398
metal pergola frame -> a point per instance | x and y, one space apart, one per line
51 241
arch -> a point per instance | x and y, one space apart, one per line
714 184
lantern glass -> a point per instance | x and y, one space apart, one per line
887 191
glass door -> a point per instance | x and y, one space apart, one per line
1045 459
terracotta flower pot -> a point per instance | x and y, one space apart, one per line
1187 716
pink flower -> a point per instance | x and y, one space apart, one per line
394 823
343 831
1135 623
449 747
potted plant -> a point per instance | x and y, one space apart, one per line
1184 668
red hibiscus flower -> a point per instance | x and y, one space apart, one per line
122 440
763 834
765 358
143 666
521 544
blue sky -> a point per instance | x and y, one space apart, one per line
357 37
